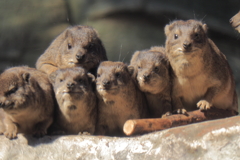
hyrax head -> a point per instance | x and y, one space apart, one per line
151 69
185 37
81 47
16 89
71 81
112 77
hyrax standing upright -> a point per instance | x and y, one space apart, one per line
27 100
202 77
77 46
77 111
119 98
151 71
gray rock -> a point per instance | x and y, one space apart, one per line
212 140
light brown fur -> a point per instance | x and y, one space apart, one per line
77 46
151 72
202 77
235 22
26 97
119 98
77 111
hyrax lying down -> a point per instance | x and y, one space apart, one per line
119 98
27 98
76 99
235 21
151 71
202 77
74 47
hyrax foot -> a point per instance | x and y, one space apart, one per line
166 114
204 105
180 111
40 133
11 134
84 133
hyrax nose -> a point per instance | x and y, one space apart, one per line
106 83
70 85
146 77
80 56
231 21
186 45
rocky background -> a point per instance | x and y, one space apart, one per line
27 27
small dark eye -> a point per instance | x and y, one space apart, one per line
98 75
175 36
69 46
118 75
139 67
91 46
60 80
196 36
80 80
13 90
156 69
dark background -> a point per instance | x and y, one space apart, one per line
27 27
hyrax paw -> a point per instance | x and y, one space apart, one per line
166 114
39 133
10 135
180 111
204 105
84 133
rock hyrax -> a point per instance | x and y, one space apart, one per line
235 21
77 111
74 47
27 100
151 71
202 77
119 98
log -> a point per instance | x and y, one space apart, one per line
141 126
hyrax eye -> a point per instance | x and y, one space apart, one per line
11 91
156 69
80 80
139 67
98 75
91 46
196 36
69 46
60 80
118 75
175 36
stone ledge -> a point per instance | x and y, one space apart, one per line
217 139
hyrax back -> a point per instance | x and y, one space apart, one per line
151 72
74 47
235 21
76 100
119 98
27 100
202 77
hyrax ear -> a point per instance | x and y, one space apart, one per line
26 77
67 33
91 77
131 70
52 77
205 28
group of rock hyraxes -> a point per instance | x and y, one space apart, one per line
75 89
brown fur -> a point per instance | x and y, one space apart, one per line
26 97
202 77
76 100
151 71
119 98
74 47
235 21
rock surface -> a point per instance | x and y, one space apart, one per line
212 140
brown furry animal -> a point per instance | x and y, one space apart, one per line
119 98
235 21
202 77
74 47
76 99
151 71
27 100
